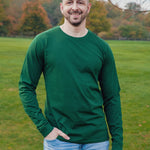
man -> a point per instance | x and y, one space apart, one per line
74 62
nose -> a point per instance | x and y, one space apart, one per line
75 6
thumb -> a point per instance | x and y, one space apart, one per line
65 136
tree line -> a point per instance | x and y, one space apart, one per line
30 17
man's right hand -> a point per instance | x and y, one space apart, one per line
55 133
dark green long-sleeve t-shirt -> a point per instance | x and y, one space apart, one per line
75 103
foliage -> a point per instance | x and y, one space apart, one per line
134 31
97 21
2 13
147 19
112 12
34 19
15 9
133 6
5 27
4 19
112 34
5 3
125 20
104 19
53 11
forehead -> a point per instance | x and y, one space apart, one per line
76 0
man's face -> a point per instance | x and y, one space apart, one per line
75 11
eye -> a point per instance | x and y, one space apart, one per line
69 2
80 2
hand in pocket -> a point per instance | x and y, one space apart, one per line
55 133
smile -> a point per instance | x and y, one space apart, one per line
75 12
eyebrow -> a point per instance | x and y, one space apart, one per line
72 0
77 0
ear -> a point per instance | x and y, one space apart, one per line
89 7
61 8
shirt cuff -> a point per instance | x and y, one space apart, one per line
46 129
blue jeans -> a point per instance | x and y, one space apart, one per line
60 145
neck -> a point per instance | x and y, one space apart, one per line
74 31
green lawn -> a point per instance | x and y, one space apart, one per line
17 132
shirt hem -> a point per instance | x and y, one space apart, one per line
84 141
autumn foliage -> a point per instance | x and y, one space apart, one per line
4 20
34 19
97 21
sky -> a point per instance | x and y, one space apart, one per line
121 3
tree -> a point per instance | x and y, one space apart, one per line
97 20
4 20
5 3
2 12
34 19
112 12
133 31
53 11
133 6
147 20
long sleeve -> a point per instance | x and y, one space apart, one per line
111 95
31 72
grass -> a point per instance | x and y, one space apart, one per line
17 132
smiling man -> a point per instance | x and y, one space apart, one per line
75 12
74 62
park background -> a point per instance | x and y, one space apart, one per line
30 17
127 33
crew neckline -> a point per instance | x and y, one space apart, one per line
73 37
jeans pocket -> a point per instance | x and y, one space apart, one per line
50 143
47 140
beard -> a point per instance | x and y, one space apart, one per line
76 12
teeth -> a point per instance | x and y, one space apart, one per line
76 13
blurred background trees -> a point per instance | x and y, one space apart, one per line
97 20
30 17
4 19
53 11
34 19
